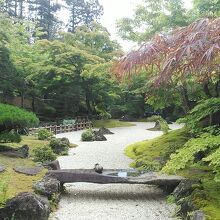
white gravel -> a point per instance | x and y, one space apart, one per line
84 201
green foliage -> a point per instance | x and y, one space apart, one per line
44 134
153 154
162 122
10 137
3 191
152 17
12 117
204 110
60 146
44 154
214 160
186 155
87 135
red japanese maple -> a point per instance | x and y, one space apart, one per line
189 50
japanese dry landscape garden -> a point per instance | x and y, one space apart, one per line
88 131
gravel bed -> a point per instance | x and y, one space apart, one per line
93 201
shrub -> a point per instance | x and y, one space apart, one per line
201 115
60 146
44 154
9 137
87 135
186 155
44 134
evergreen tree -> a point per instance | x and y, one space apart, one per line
83 13
44 12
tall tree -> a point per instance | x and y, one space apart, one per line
83 13
152 17
44 12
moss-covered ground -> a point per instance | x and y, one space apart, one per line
11 182
111 123
153 154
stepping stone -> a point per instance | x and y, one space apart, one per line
32 171
2 169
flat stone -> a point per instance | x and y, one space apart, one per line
32 171
2 169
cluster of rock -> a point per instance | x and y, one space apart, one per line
99 135
34 206
182 195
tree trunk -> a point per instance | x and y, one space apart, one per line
185 99
206 90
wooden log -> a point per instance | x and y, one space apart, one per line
111 177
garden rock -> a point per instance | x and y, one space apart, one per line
184 189
186 205
31 171
99 137
104 131
26 206
21 152
2 169
54 165
197 215
47 187
157 127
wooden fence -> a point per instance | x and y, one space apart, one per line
57 129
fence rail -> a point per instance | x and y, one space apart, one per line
57 129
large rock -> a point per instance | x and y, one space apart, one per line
31 171
21 152
104 131
157 127
185 206
47 187
54 165
184 189
99 136
26 206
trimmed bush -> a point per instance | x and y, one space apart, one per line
44 134
12 117
44 154
87 135
60 146
9 137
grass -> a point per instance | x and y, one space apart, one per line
11 182
111 123
153 154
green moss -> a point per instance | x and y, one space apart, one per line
15 182
112 123
152 154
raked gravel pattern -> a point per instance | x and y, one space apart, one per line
85 201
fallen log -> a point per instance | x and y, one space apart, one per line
113 176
